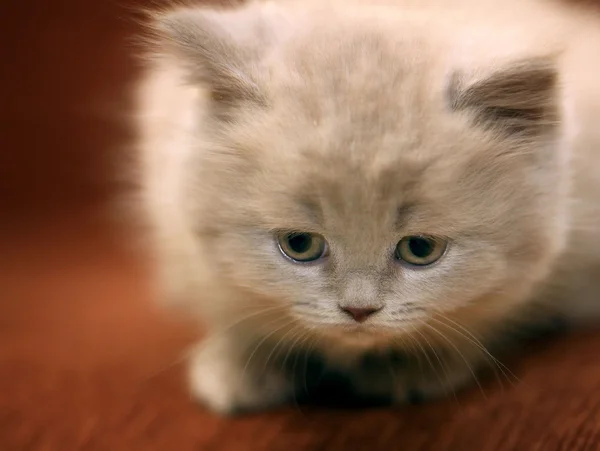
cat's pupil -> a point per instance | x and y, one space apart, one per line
300 243
421 247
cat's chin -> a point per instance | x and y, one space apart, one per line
359 337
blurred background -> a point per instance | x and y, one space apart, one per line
66 77
86 360
76 326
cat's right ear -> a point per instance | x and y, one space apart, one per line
520 101
220 50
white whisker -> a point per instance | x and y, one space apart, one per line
476 342
432 365
262 341
280 342
461 356
303 336
239 321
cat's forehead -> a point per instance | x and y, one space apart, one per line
364 74
356 96
321 178
354 129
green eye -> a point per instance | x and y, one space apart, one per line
302 247
420 250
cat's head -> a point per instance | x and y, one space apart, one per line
356 177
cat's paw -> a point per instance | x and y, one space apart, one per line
221 380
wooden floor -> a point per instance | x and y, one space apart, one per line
86 361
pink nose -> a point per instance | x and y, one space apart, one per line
360 315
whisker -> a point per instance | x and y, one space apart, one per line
443 367
475 341
303 336
461 356
239 321
262 341
207 339
300 336
281 341
491 361
311 346
411 341
183 356
306 357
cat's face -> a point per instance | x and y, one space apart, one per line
366 192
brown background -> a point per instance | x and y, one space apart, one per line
87 363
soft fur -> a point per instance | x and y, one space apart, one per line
367 121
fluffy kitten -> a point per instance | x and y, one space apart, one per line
401 182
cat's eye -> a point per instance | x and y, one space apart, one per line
420 250
302 247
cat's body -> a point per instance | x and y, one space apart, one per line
362 125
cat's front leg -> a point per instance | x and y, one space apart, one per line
229 378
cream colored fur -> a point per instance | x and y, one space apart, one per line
337 117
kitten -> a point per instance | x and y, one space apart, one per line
404 182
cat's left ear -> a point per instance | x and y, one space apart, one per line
521 100
220 49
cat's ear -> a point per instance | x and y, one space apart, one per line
219 49
520 101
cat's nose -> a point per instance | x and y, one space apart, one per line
360 315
